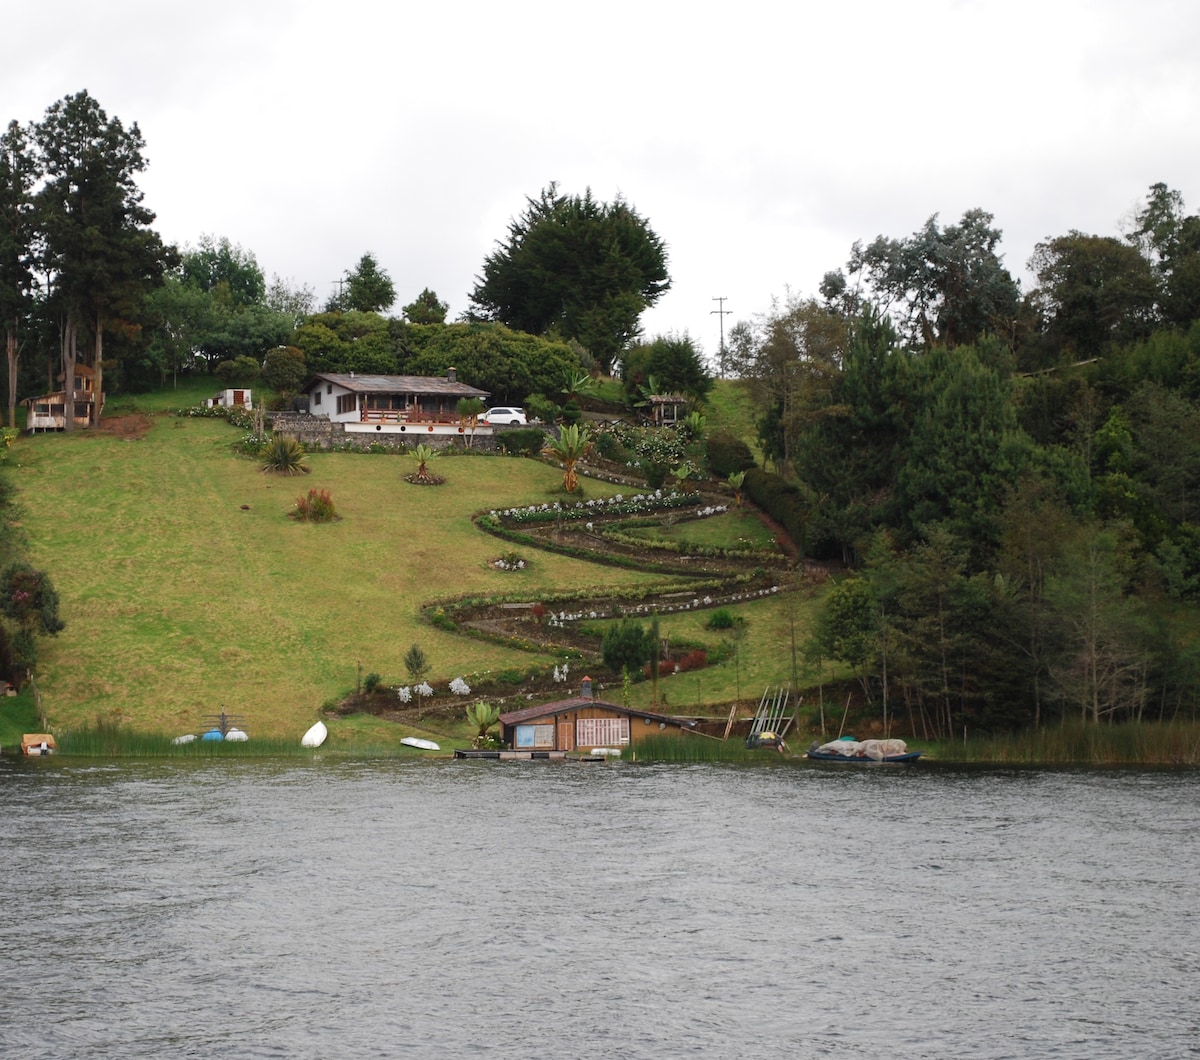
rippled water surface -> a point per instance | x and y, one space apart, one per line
444 909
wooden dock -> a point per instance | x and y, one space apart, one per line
526 756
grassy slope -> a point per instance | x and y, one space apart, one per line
178 602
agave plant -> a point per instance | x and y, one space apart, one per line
284 455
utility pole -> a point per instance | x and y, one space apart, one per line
721 314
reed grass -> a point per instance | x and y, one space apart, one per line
686 749
1074 743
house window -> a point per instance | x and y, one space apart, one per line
347 402
328 388
316 397
534 736
601 731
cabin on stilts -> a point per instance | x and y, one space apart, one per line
49 412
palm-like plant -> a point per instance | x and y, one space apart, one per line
569 447
424 454
736 480
483 716
284 455
469 410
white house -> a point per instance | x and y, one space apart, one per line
390 403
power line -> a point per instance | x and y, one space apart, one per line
721 314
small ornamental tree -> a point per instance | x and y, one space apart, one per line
626 646
28 598
416 663
469 410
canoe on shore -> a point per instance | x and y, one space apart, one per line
315 736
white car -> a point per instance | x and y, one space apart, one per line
509 415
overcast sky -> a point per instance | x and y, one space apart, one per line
759 140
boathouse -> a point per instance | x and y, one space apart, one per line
583 722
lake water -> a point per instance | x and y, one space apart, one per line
329 908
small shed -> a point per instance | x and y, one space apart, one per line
230 398
583 723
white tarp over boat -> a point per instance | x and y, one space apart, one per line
876 750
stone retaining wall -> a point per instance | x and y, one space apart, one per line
317 432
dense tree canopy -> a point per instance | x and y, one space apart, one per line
426 308
942 285
96 245
672 361
508 364
581 268
364 289
18 175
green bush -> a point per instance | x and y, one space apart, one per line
371 682
656 475
721 618
609 447
524 441
728 454
782 501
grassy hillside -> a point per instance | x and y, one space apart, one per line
187 589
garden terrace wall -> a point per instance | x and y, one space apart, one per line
316 432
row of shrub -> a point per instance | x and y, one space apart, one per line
782 501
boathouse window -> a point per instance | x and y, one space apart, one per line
347 402
596 731
534 736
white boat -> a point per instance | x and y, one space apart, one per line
416 741
236 736
189 738
315 736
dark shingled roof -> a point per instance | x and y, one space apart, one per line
398 384
562 706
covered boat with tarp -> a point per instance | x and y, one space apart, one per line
848 749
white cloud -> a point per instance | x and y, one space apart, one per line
759 141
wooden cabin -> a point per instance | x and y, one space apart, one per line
48 412
583 722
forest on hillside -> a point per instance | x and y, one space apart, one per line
1011 476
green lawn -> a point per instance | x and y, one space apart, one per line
186 588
